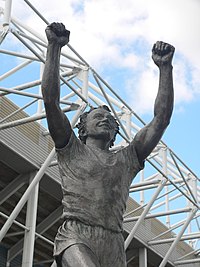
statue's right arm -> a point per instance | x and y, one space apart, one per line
59 125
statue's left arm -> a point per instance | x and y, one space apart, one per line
148 137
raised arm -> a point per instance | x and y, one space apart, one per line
148 137
59 125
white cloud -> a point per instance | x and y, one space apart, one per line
106 32
178 21
143 91
183 87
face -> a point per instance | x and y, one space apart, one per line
101 124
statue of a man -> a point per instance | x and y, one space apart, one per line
95 180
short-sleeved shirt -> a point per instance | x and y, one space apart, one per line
95 183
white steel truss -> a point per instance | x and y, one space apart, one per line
166 189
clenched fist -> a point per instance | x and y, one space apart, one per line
162 53
56 33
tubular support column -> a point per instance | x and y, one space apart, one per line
85 83
7 13
29 238
164 156
143 257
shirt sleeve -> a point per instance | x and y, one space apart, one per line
132 160
73 147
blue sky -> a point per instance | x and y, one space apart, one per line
116 38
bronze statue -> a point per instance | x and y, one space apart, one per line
95 180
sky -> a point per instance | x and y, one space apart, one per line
116 38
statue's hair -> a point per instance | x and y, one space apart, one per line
82 131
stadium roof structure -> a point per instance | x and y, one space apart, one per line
161 224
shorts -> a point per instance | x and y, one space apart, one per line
108 246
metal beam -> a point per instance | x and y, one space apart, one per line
40 229
32 118
7 13
16 54
143 257
25 197
169 240
29 237
149 216
15 69
183 262
13 187
42 38
144 213
50 220
177 239
173 227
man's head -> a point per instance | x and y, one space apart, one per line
98 122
